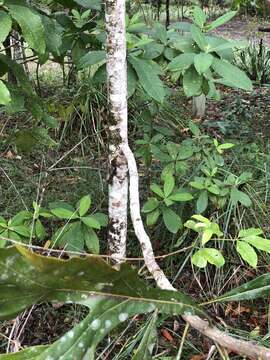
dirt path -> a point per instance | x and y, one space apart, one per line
244 29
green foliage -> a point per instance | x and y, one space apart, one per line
90 282
163 200
205 60
255 61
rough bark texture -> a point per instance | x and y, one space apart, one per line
117 123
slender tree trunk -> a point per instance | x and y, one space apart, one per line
198 106
167 13
158 9
117 123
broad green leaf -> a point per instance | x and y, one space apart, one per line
27 278
247 253
5 25
40 230
30 353
150 205
227 45
21 230
206 236
91 222
226 146
152 217
202 202
53 35
157 190
181 62
4 94
237 195
231 74
199 259
31 24
198 37
181 196
258 242
148 78
91 58
192 82
194 128
145 349
199 16
160 32
63 213
201 218
221 20
202 62
250 232
184 44
91 240
169 183
84 205
171 220
214 257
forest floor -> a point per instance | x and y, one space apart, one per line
76 168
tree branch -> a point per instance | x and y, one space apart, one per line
242 347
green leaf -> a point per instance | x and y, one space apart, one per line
132 80
192 82
4 94
202 202
194 128
180 196
91 240
40 230
198 37
169 183
231 74
206 236
150 205
27 278
91 58
258 242
157 190
199 16
145 349
21 230
152 217
214 257
181 62
84 205
101 218
63 213
5 27
148 78
91 222
199 259
221 20
250 232
171 220
31 24
247 253
225 146
30 353
202 62
237 195
254 289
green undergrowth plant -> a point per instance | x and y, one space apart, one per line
244 243
255 60
78 232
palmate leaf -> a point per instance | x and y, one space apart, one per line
112 296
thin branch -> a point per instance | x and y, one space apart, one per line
242 347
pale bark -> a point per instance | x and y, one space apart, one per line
117 123
198 106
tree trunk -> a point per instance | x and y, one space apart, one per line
117 124
198 106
